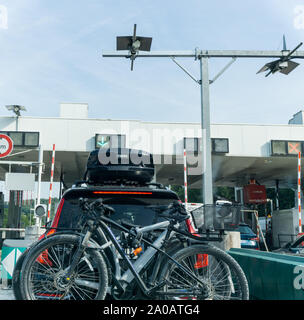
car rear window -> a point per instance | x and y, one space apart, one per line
134 210
246 230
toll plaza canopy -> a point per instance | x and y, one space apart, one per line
240 152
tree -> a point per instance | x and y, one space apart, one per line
195 195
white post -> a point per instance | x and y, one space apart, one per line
51 184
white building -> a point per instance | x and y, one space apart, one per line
264 152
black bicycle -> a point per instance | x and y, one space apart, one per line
136 264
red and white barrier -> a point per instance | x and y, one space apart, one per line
299 193
185 178
51 184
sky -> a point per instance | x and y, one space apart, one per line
51 52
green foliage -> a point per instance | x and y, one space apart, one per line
27 213
195 195
286 197
226 193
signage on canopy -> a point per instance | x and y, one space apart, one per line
6 145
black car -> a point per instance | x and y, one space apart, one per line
135 204
132 205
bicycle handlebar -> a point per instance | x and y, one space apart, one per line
175 210
97 205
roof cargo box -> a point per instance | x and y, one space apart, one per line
120 165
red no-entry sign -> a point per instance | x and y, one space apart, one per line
6 145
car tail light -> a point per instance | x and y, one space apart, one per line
257 240
202 259
55 221
44 257
123 192
190 226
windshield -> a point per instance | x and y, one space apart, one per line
298 243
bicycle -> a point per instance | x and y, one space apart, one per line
134 265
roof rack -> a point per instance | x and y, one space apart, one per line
119 183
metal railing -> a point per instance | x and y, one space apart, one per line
3 231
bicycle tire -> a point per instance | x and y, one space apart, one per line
220 277
17 276
44 265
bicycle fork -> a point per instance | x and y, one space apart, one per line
77 256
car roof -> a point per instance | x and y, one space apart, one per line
138 191
244 224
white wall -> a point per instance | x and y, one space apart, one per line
159 138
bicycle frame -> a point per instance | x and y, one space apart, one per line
135 268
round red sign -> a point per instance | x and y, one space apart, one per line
6 145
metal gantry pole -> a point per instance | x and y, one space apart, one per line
207 184
203 56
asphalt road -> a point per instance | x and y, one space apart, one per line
6 294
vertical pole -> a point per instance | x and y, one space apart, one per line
299 193
40 161
277 195
51 184
206 138
260 230
185 179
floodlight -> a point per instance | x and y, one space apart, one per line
16 109
133 44
283 65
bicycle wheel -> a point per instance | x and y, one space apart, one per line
42 274
16 276
215 276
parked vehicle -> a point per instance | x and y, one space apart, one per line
249 239
131 195
293 247
94 262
